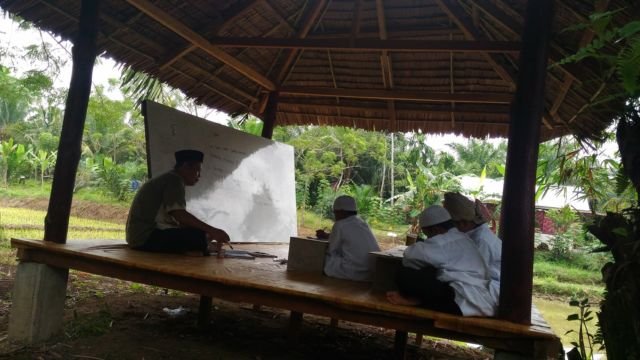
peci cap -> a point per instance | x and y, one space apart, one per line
187 155
461 208
433 215
345 202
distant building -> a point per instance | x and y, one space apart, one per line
489 191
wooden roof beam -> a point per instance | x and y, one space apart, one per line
276 13
199 41
385 64
309 20
498 109
391 33
357 19
458 15
214 28
370 45
401 95
511 23
362 118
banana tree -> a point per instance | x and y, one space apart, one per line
43 161
11 157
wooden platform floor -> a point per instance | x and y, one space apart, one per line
266 282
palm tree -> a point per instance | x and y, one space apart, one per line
476 155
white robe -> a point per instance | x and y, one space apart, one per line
350 243
490 247
459 264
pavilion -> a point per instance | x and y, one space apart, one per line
472 67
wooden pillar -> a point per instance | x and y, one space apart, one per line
295 323
84 54
269 117
204 311
517 226
400 345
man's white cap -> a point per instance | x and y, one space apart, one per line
433 215
461 208
345 202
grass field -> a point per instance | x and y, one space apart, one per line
26 223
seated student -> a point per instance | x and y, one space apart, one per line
445 272
468 218
158 219
350 243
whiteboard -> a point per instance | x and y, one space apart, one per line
247 185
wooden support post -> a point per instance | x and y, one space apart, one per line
400 345
334 323
295 322
419 337
69 149
269 117
517 225
204 311
37 301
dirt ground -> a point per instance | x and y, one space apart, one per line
112 319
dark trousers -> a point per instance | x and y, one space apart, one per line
424 285
176 240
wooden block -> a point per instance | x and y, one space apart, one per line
386 269
306 255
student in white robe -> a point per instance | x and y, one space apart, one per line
445 272
468 218
350 243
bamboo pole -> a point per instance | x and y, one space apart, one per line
69 149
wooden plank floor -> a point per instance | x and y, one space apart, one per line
263 281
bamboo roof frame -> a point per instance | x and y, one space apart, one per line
355 53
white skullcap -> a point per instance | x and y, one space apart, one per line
433 215
345 202
461 208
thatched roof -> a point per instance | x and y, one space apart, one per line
433 65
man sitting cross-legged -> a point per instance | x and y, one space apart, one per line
350 243
445 272
158 219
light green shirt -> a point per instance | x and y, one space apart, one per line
151 206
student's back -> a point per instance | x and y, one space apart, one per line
350 243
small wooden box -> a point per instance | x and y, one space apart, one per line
387 265
306 254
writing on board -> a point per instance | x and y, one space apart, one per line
247 184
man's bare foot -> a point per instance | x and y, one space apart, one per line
394 297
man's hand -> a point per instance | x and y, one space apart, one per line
321 234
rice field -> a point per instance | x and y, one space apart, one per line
27 223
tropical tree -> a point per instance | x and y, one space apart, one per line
11 157
247 123
42 161
479 155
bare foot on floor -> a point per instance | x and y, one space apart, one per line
394 297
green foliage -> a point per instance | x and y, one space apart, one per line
581 260
611 34
89 325
477 156
584 346
247 123
112 178
566 162
366 199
